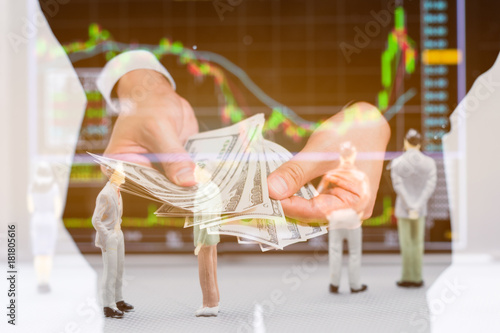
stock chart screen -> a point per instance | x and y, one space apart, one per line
298 62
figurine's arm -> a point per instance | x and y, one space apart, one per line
429 188
101 207
399 188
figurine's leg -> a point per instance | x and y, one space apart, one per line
419 248
214 259
120 254
43 267
109 272
207 276
354 237
43 241
405 244
335 239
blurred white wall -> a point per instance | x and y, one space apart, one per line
13 124
35 72
473 167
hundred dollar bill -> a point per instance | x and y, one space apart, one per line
242 240
280 155
257 192
262 231
280 231
288 231
266 247
248 191
238 161
231 147
233 174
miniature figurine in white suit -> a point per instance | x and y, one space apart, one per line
414 180
107 221
345 223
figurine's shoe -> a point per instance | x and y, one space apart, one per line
113 313
207 312
405 284
334 289
418 284
125 307
364 287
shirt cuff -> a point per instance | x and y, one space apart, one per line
121 65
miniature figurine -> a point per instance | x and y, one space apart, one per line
45 205
345 222
205 243
414 180
107 222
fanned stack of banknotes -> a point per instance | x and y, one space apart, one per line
237 159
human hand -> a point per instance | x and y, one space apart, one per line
367 130
334 186
413 214
153 125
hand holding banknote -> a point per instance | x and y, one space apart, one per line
238 161
364 126
153 119
160 121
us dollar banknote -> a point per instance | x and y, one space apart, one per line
235 200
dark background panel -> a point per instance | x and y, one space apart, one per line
292 51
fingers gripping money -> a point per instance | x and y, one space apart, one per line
245 167
236 161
